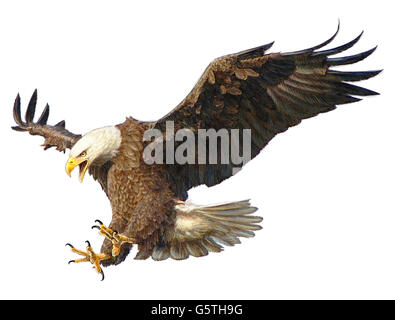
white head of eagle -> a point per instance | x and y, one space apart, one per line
97 146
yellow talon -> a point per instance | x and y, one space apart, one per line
116 239
90 256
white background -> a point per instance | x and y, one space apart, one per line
324 188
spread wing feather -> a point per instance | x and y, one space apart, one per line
55 136
203 229
267 93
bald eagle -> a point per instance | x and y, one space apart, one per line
264 93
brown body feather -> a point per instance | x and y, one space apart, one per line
267 93
140 195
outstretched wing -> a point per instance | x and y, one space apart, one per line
55 136
267 93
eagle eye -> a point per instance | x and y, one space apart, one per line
83 154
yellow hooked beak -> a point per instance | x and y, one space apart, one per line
83 164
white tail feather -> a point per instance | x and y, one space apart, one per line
201 229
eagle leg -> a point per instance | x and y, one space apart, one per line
116 239
90 256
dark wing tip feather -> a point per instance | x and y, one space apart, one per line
267 46
254 52
339 49
357 91
350 59
353 75
18 128
327 41
17 110
31 108
323 44
61 124
44 116
348 99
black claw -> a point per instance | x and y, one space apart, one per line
98 221
88 243
71 261
97 227
70 245
102 274
115 232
